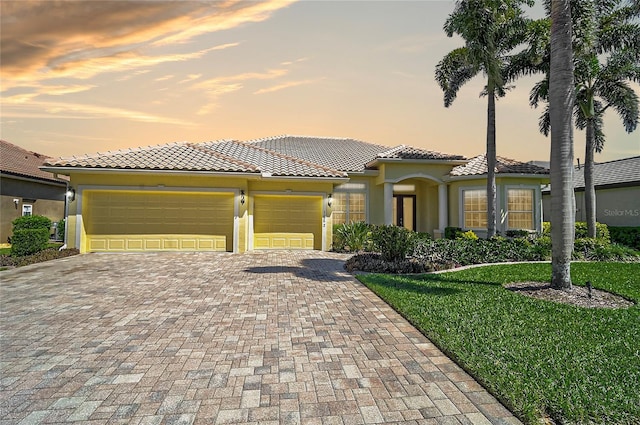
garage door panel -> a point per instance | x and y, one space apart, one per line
157 221
287 222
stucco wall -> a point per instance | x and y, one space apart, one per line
614 207
160 182
46 199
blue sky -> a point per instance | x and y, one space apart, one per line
84 76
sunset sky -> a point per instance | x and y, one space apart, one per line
90 76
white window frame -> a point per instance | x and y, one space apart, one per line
537 205
27 208
355 187
461 220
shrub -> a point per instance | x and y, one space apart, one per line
452 232
517 233
392 242
60 230
29 241
602 230
352 237
628 236
546 228
468 235
31 222
594 249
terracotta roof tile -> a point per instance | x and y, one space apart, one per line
409 152
18 161
478 166
272 162
179 156
332 152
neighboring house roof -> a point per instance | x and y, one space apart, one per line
478 166
619 172
336 153
20 162
409 152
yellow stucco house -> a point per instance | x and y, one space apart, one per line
283 192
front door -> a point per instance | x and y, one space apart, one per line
404 211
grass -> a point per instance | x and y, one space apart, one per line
540 358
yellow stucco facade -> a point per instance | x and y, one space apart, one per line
136 211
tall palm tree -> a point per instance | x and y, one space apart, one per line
492 30
606 48
561 103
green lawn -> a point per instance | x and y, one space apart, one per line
539 358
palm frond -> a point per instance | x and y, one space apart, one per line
453 71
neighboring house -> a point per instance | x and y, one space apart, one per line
617 185
25 189
282 192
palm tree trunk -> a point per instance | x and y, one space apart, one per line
589 189
561 102
491 161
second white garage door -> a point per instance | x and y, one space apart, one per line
287 222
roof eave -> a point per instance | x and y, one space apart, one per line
89 170
25 177
498 175
305 179
454 162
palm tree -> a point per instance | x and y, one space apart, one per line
492 30
606 58
561 103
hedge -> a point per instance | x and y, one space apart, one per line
29 241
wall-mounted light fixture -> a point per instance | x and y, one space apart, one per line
16 201
71 194
242 197
329 200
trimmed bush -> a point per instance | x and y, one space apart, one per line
627 236
29 241
31 222
394 243
452 232
30 234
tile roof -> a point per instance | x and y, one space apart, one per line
180 156
620 171
21 162
272 162
409 152
332 152
478 166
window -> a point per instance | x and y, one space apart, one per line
475 208
27 209
520 209
348 207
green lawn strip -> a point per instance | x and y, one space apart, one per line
576 365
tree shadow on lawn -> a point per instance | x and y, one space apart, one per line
420 283
320 269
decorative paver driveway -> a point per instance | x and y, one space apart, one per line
180 338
